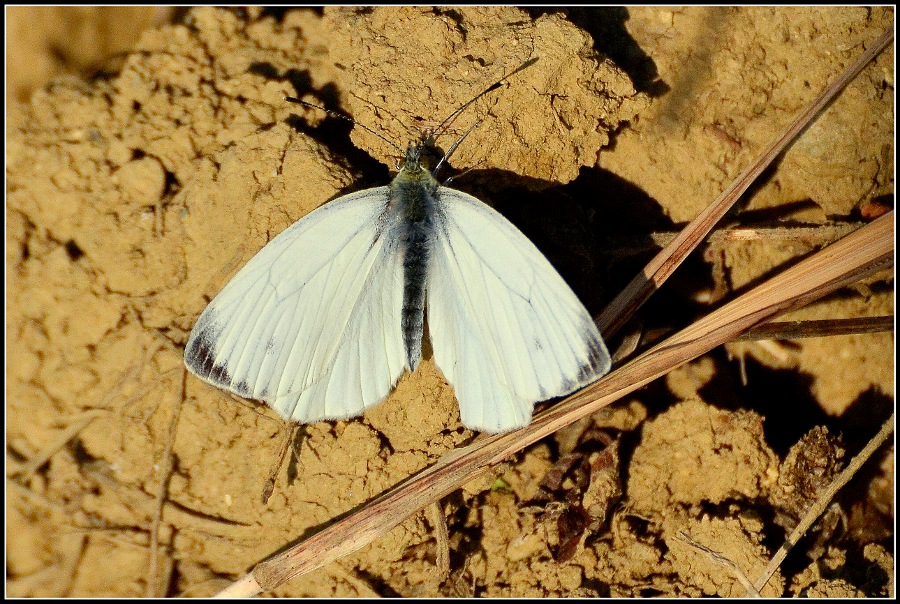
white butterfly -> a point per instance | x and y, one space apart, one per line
324 320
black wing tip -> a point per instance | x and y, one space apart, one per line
199 357
597 365
599 362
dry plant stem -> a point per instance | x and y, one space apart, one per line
245 587
724 562
42 457
822 234
868 250
69 568
441 539
823 500
164 477
168 571
34 498
629 344
787 330
289 431
793 330
621 309
814 236
82 420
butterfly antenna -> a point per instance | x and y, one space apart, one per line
291 99
490 88
454 146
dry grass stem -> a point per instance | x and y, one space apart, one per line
823 500
441 538
793 330
814 235
166 468
817 235
289 433
623 306
724 562
79 423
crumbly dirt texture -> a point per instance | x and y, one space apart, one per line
142 173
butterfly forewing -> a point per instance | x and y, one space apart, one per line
311 324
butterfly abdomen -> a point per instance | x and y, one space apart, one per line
413 205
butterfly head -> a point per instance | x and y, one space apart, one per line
422 158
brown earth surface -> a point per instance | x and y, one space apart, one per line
145 166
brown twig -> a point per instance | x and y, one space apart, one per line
793 330
823 500
623 306
441 539
79 423
772 330
817 235
165 475
721 560
290 432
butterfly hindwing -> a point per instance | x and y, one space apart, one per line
311 324
505 328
